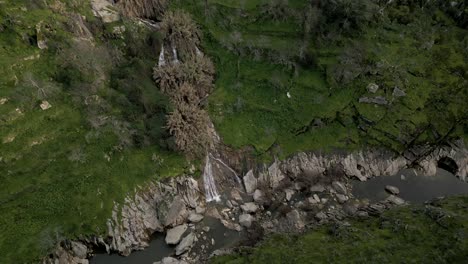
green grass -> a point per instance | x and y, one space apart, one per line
250 108
414 234
59 176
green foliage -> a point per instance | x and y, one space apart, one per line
325 56
416 234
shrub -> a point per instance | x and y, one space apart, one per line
189 126
181 32
143 8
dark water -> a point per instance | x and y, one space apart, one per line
158 249
415 188
155 252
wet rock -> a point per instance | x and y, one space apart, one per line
185 244
392 189
250 182
339 187
206 229
79 249
395 200
195 218
258 196
235 194
403 177
249 207
213 212
246 220
372 88
317 188
341 198
312 200
174 235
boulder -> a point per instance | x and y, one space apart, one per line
174 235
341 198
185 244
320 216
372 88
249 207
105 10
397 92
289 194
317 188
170 260
258 196
79 249
200 210
295 219
392 189
45 105
195 218
395 200
250 182
177 213
246 220
339 187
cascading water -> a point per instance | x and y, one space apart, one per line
211 192
229 168
174 54
162 60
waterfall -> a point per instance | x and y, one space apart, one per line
198 52
229 168
211 192
174 54
162 60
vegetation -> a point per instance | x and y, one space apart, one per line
290 74
61 169
153 9
187 83
418 234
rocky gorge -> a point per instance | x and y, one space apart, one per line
292 195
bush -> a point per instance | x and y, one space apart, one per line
143 8
181 32
189 125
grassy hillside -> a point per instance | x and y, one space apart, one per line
62 168
417 234
290 74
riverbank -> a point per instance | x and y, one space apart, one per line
287 196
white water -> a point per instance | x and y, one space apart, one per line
162 60
229 168
211 192
174 53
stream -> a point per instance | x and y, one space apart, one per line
413 188
158 249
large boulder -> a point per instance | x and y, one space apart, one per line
195 218
174 235
339 187
185 244
249 207
246 220
250 182
392 189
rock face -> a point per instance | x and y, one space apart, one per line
250 182
105 10
174 235
392 189
157 206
